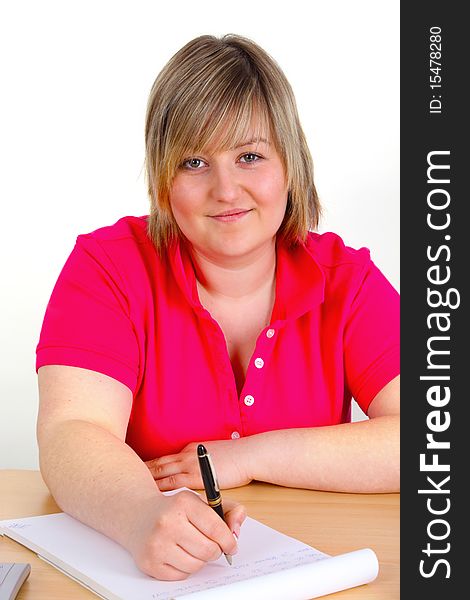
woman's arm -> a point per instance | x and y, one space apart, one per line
97 478
351 457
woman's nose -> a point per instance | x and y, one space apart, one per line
225 186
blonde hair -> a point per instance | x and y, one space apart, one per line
208 94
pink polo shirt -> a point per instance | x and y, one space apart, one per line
120 309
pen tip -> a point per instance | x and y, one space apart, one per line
229 559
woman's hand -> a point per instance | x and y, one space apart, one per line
182 470
177 535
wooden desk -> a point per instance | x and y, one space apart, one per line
333 523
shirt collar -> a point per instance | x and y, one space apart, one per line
300 281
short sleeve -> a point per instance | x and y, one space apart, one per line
372 337
87 322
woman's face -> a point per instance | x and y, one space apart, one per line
232 202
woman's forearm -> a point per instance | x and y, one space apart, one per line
95 476
351 457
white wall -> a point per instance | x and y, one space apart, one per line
75 79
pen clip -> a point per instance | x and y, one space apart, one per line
214 476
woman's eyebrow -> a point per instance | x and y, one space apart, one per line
252 141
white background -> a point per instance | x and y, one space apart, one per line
75 80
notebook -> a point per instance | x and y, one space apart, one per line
268 566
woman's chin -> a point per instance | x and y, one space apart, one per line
232 249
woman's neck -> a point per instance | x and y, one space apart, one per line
229 279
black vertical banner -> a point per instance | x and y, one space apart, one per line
435 252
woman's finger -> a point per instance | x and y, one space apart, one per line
173 482
199 546
212 526
168 458
184 561
160 471
234 515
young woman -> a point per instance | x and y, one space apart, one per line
221 318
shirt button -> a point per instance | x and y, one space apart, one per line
235 435
270 333
259 363
249 400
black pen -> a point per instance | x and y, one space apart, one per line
211 485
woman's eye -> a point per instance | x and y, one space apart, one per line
250 157
193 163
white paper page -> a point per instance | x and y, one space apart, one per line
311 580
269 564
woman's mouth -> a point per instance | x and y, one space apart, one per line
234 214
